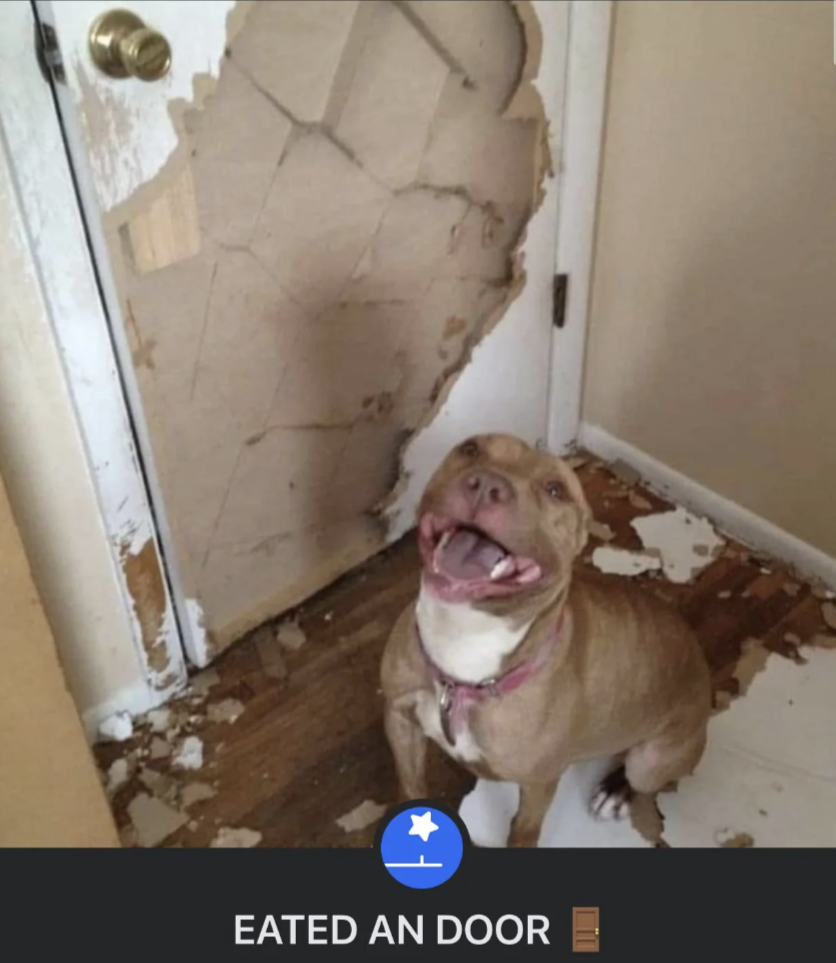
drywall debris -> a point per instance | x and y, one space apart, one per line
227 838
828 613
117 776
228 710
791 588
729 840
625 473
621 561
153 820
196 792
202 683
160 749
117 728
362 816
159 719
822 592
753 657
291 636
189 754
677 535
638 501
162 786
600 530
725 594
270 654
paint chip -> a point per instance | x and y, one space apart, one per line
291 636
600 530
791 588
828 613
117 728
227 838
189 754
676 534
117 776
227 710
153 820
576 462
638 501
821 592
160 749
162 786
620 561
753 658
196 792
725 594
362 816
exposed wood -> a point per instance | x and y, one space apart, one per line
309 746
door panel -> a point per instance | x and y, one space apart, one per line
299 278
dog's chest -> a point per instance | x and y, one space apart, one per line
428 712
466 645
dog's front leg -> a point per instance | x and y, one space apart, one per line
535 799
409 747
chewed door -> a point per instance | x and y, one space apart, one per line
325 233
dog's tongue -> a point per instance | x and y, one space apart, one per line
468 556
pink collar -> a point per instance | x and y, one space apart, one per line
457 696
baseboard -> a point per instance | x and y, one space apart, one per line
133 700
729 517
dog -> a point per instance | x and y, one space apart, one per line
517 665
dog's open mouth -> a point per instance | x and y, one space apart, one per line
467 556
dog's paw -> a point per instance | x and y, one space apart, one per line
613 797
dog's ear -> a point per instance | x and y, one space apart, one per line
582 509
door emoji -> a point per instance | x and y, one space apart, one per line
585 936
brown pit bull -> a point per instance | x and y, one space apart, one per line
516 667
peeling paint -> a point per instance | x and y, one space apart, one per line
687 543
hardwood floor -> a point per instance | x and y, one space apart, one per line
308 748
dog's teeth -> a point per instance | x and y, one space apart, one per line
503 567
445 538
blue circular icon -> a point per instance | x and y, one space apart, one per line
421 847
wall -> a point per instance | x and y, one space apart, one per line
713 325
50 794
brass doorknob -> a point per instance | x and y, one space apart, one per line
122 46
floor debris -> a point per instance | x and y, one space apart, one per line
117 776
686 542
227 838
161 785
203 682
291 636
828 613
117 728
753 658
625 473
189 754
196 792
621 561
736 841
153 820
228 710
270 653
638 501
362 816
160 749
600 530
159 719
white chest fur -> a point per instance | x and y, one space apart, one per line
468 645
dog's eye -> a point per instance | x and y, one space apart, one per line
469 449
555 489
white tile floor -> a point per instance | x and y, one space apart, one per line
769 771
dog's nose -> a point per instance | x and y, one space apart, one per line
486 486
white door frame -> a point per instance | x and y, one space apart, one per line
96 359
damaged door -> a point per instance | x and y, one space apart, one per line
326 235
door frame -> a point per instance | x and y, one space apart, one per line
69 253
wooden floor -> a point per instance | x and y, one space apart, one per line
308 747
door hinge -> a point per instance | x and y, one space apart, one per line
561 283
49 54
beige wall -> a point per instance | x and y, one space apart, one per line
50 794
713 329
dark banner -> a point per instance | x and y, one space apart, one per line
422 886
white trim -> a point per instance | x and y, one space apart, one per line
79 328
728 516
580 161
